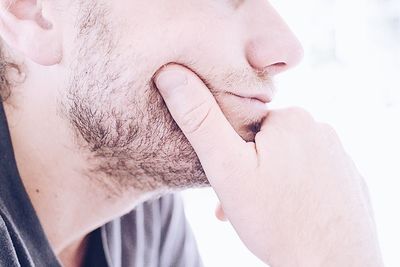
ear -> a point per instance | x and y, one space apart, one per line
23 28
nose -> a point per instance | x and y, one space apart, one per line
271 46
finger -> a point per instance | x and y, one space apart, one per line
220 214
197 113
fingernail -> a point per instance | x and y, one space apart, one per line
170 79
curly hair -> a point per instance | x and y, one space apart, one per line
5 66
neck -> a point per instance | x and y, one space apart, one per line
74 255
69 204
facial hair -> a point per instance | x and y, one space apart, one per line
121 122
123 125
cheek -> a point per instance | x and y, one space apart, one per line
186 31
209 40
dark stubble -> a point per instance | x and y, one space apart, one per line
130 139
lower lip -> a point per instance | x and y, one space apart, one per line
251 103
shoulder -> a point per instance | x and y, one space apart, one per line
157 233
160 210
167 207
8 255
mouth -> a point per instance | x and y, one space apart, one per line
264 98
253 106
245 110
247 113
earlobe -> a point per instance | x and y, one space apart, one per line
23 28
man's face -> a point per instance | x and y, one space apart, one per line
112 54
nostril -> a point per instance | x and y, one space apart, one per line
280 64
271 69
276 68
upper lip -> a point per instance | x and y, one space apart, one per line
262 97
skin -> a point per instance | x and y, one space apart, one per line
293 195
87 94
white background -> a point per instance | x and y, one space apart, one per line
350 78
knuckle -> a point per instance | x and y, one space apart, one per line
295 110
299 113
328 130
195 118
329 136
291 119
294 113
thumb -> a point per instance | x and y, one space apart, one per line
197 113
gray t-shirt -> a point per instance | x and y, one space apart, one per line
154 234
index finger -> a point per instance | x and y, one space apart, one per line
197 113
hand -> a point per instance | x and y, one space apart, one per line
220 214
293 196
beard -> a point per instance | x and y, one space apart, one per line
135 145
120 120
